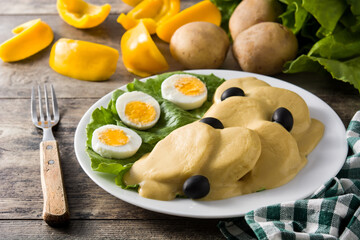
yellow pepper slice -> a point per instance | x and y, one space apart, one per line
152 12
128 22
140 54
81 14
204 11
31 37
169 9
132 3
146 9
83 60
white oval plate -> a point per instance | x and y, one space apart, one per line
324 163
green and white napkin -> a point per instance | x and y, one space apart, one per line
332 212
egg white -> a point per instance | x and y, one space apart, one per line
125 98
117 152
172 94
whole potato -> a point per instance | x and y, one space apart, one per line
264 48
199 45
251 12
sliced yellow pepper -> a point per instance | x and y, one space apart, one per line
128 22
169 9
81 14
152 12
31 37
83 60
140 54
204 11
146 9
132 3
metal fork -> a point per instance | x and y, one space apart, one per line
55 211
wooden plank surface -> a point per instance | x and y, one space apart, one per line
39 7
180 228
94 213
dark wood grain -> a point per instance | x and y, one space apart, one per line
95 214
113 229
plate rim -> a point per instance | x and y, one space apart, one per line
207 206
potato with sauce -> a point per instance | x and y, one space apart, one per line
199 45
244 143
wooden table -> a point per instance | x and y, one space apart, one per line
94 213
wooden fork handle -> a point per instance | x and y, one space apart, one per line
56 210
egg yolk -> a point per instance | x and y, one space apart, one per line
113 137
190 86
139 112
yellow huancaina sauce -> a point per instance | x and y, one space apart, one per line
251 153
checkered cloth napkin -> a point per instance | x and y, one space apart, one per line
332 212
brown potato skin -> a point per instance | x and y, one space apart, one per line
251 12
264 48
199 45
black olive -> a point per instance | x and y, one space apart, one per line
231 92
283 117
214 122
197 186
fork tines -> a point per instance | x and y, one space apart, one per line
44 117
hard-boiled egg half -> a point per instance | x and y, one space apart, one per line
112 141
138 110
184 90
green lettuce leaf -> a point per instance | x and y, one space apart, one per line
340 45
295 16
347 71
352 20
327 13
171 118
354 6
328 33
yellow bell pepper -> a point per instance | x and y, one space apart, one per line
169 9
140 54
132 3
81 14
146 9
83 60
204 11
128 22
152 12
31 37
